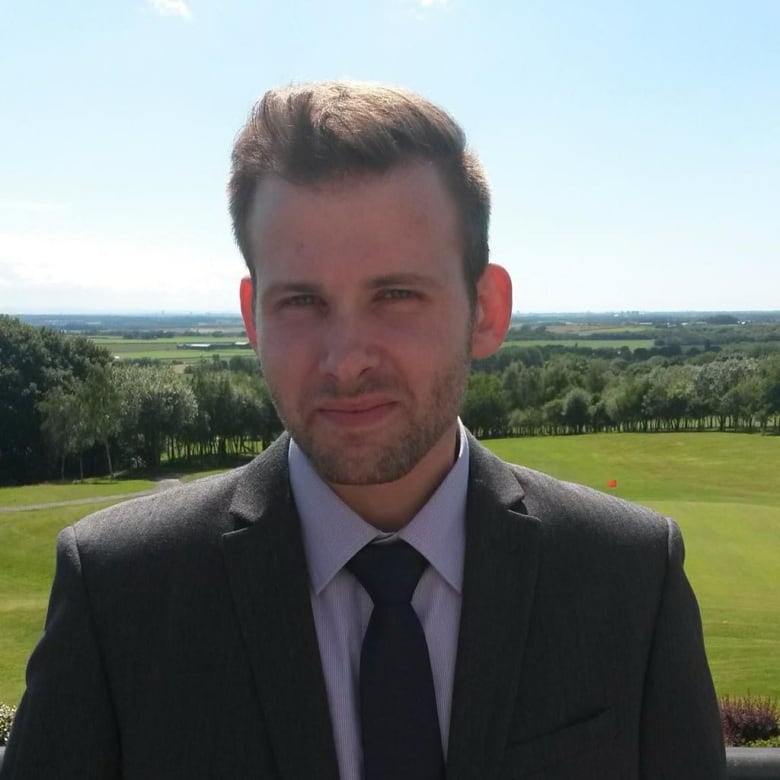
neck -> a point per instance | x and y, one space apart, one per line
389 506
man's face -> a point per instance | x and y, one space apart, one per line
363 319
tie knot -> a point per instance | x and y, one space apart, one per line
389 572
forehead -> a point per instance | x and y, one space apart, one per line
404 213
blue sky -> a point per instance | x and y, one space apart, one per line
633 147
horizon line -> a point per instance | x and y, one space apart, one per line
518 313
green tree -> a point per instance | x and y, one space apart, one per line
526 422
61 424
101 398
556 379
770 379
157 405
485 410
216 407
716 379
33 361
552 414
576 409
521 386
624 402
669 395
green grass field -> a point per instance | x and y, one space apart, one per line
723 489
26 570
164 349
49 493
580 329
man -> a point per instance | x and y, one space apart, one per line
228 630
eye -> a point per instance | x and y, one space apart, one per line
299 301
395 294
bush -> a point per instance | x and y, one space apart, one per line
6 719
748 719
771 742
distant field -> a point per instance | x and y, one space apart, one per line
723 489
579 329
164 349
632 344
183 355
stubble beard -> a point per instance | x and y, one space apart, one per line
356 459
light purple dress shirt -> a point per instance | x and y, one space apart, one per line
332 534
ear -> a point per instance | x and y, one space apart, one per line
493 311
247 295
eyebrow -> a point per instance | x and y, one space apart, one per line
404 279
400 279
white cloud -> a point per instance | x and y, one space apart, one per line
172 8
431 3
86 273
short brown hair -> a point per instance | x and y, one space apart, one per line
311 133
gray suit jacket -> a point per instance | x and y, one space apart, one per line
180 643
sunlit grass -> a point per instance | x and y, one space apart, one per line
26 571
71 491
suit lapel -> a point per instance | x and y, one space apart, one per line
268 577
502 556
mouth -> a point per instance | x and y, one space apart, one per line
356 413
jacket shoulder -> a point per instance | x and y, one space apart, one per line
188 507
205 508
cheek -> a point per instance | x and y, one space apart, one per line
281 353
427 355
439 338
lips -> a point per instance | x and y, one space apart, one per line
356 413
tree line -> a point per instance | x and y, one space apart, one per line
68 409
544 391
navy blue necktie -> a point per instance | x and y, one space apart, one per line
400 724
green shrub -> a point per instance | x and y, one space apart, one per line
749 719
6 719
771 742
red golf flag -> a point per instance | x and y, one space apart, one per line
612 483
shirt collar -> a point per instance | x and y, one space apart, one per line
333 533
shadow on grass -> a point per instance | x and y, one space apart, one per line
181 469
170 470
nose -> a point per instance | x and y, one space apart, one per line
349 350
